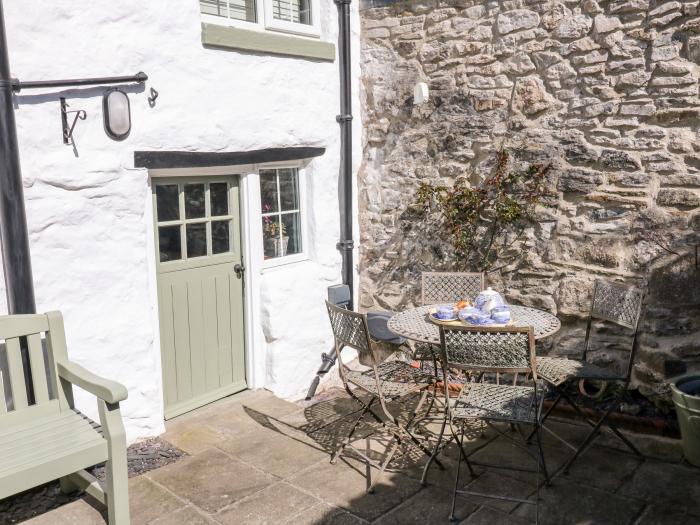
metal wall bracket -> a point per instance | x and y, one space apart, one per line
345 245
152 98
68 129
343 118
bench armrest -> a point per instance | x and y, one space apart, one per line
108 391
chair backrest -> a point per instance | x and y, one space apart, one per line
349 329
25 395
617 303
450 287
494 349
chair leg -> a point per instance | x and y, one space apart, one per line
546 414
117 486
341 447
391 449
453 518
592 435
424 477
538 432
67 486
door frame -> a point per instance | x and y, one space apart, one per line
254 374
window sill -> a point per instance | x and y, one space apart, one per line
266 42
271 264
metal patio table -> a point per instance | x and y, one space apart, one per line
414 324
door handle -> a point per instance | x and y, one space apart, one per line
239 269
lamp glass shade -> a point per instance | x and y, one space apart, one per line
117 114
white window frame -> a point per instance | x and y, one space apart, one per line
266 22
303 255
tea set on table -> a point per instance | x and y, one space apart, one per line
489 309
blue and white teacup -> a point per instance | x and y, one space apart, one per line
445 312
501 314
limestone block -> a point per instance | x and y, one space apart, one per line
678 197
579 180
516 20
572 27
530 96
694 49
605 24
518 65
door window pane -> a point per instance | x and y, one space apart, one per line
169 243
218 193
234 9
268 191
220 242
289 192
292 230
196 239
167 204
194 201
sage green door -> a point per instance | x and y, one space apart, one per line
200 292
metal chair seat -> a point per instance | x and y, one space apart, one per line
513 404
558 370
397 379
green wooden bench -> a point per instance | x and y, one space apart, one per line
50 439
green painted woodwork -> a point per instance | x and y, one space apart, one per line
200 303
266 42
49 439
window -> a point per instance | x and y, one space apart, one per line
291 16
194 220
280 203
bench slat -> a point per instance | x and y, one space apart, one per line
58 429
3 405
17 325
14 361
36 361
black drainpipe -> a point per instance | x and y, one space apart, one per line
16 258
346 243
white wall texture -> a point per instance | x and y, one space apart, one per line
88 210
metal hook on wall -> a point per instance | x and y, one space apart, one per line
153 97
68 130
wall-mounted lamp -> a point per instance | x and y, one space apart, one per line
116 111
420 93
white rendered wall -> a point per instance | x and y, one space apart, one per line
88 210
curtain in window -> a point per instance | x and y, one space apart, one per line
235 9
297 11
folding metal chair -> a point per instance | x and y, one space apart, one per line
388 381
617 303
502 350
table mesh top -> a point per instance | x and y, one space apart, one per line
414 323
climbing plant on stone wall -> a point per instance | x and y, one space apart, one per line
484 221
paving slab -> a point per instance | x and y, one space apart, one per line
430 506
665 483
345 485
324 514
666 515
282 455
77 512
499 483
503 452
568 502
270 505
185 516
148 501
603 468
490 516
211 480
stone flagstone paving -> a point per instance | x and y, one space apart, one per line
255 459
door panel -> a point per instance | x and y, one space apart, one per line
200 296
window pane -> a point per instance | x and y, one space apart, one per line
292 232
297 11
220 237
289 189
218 193
196 239
236 9
169 243
268 191
167 202
272 245
194 201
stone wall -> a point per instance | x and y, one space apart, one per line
607 91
